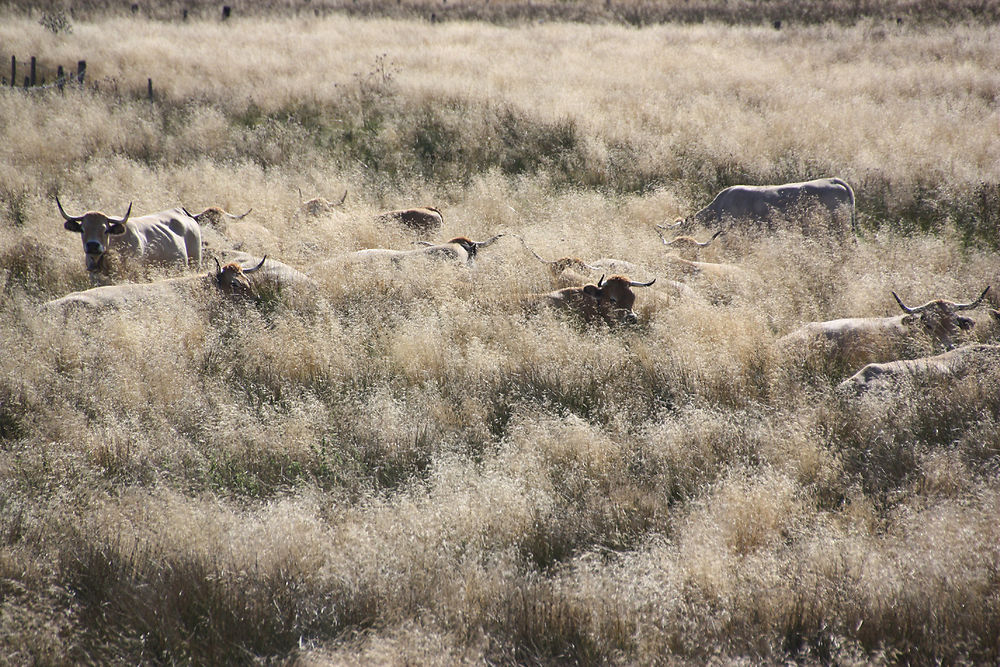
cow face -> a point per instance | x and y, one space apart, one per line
614 298
233 279
96 230
940 318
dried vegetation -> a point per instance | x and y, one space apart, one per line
407 463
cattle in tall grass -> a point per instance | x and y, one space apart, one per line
954 364
231 279
687 247
860 340
762 204
167 237
320 206
421 219
609 300
222 230
459 249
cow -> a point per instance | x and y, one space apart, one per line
319 206
760 203
217 232
954 363
573 271
167 237
609 300
230 279
861 340
421 219
687 247
459 249
217 217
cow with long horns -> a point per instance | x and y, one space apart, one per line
861 340
167 237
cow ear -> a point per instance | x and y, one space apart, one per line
73 226
116 228
591 290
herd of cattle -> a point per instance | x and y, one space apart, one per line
175 237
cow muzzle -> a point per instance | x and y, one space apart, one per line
94 260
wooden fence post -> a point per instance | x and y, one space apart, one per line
81 70
34 77
60 78
13 71
226 11
149 88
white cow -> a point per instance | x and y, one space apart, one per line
167 237
458 249
951 364
759 203
861 340
230 278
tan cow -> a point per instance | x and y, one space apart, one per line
167 237
954 363
231 279
459 249
218 233
422 219
319 206
687 247
861 340
609 300
760 203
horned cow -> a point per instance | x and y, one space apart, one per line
609 300
761 203
459 249
166 237
861 340
423 218
951 364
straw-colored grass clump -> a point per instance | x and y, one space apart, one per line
411 460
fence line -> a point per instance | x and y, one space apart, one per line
31 78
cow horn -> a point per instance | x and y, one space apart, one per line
600 283
483 244
660 234
256 268
636 283
240 217
344 198
218 268
974 304
69 218
907 309
529 249
122 221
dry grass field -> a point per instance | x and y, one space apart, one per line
409 463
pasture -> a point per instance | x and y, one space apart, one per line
409 461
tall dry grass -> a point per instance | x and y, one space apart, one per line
412 463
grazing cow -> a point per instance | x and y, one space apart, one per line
758 203
954 363
610 300
167 237
458 249
422 219
861 340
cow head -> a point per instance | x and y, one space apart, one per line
614 298
215 216
95 229
232 278
940 318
